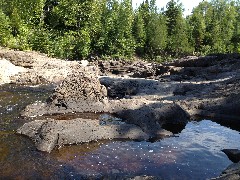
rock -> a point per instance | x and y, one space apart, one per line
182 90
145 178
78 88
84 63
121 88
48 133
79 92
40 68
7 70
231 173
233 154
194 61
152 116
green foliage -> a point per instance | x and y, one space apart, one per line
139 33
177 30
71 45
214 26
77 29
40 39
156 35
5 32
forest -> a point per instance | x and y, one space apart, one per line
80 29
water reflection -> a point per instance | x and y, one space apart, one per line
194 154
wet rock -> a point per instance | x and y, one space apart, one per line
126 177
48 133
231 173
233 154
145 178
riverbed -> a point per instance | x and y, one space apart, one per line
192 153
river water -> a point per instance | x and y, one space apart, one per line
193 153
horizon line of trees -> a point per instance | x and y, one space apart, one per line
78 29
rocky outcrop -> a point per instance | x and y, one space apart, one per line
7 70
39 68
80 89
169 93
135 69
82 92
48 133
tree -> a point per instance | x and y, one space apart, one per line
235 41
139 33
198 27
5 30
177 30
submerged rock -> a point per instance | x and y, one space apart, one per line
48 133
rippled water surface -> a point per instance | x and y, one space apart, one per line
194 153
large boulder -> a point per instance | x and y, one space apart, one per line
79 89
151 117
48 133
79 92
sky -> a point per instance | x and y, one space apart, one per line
187 4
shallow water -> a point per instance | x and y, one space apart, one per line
194 153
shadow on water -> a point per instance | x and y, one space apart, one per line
194 153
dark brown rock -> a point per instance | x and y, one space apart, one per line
232 154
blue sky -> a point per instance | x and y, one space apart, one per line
187 4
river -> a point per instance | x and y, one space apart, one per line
193 153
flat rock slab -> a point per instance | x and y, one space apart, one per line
48 133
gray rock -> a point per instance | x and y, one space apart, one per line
48 133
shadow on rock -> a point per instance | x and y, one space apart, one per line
152 117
